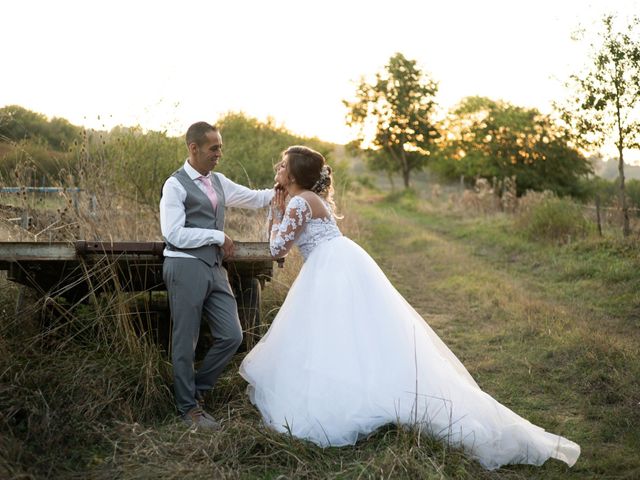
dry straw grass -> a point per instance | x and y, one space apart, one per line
85 389
79 374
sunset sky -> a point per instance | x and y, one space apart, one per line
165 64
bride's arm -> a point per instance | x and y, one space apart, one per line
276 208
285 230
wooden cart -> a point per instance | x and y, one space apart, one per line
82 270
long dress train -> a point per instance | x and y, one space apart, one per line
347 354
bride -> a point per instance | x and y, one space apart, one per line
347 354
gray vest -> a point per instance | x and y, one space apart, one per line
200 214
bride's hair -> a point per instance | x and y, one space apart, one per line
311 171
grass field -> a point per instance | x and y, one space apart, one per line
550 331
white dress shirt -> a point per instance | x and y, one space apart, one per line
172 213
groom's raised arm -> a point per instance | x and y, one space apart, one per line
242 197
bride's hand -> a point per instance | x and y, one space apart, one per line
278 202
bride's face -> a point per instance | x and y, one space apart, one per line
282 176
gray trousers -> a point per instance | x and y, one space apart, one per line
195 288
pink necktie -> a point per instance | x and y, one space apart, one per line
211 193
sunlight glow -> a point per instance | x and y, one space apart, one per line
164 65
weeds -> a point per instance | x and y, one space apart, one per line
549 330
553 219
83 369
84 393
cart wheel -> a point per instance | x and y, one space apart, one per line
249 310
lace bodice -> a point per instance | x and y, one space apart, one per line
299 228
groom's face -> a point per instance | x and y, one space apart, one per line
205 157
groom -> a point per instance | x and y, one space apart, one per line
192 211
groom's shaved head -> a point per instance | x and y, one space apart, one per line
197 132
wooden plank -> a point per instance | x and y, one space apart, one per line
244 251
84 247
251 251
37 251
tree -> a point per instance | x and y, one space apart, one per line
133 161
29 137
253 147
605 99
18 123
400 102
494 139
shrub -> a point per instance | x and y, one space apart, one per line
633 194
252 148
553 219
43 162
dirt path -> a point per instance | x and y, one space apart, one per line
454 290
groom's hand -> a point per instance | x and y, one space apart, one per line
227 247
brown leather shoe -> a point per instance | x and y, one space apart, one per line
198 418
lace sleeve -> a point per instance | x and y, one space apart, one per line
284 233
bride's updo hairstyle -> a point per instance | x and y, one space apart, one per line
310 170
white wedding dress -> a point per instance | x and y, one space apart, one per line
347 354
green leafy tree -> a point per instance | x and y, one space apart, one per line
494 139
599 189
138 162
252 148
134 163
18 123
605 100
30 138
61 134
400 103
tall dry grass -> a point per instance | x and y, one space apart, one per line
73 369
86 388
542 215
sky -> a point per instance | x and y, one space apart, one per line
166 64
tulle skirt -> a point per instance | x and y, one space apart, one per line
347 354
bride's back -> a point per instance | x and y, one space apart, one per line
317 205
